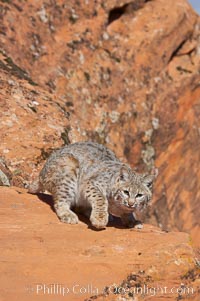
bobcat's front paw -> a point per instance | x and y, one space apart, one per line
138 225
135 225
129 221
69 218
99 221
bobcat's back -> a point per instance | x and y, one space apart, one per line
85 154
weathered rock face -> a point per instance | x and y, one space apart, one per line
32 122
44 259
128 75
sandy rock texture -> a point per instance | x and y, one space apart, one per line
32 124
44 259
123 73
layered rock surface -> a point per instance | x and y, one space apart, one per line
124 74
44 259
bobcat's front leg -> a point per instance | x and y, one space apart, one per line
99 204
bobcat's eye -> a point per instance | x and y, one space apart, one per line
126 192
149 185
139 195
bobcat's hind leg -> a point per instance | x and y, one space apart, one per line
64 200
65 214
64 188
35 187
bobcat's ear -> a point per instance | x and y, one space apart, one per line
149 178
124 174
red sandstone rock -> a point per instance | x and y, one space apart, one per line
32 123
128 74
40 255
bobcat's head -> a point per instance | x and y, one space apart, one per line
131 191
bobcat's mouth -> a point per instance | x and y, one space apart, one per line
136 206
130 207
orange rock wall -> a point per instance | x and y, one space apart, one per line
124 74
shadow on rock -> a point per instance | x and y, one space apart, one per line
46 198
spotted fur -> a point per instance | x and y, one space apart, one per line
88 177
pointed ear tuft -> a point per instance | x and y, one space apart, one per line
148 180
154 172
124 173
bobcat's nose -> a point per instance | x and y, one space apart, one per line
131 202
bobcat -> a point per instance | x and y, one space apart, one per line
88 177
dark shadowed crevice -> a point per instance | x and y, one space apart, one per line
178 48
116 13
175 52
130 7
10 67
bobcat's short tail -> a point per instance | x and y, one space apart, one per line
35 187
